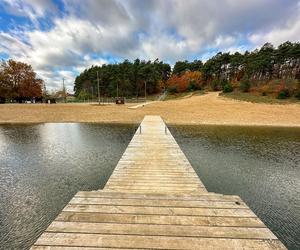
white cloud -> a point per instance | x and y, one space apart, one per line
88 62
289 32
12 45
32 9
224 41
163 47
67 45
90 31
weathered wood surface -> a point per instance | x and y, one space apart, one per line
155 200
154 163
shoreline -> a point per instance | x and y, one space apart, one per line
169 124
209 109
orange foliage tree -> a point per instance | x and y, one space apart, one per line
20 80
189 80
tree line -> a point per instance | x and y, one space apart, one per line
256 68
267 69
129 79
18 82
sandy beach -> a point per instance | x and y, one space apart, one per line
203 109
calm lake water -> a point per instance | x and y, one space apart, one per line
260 164
42 166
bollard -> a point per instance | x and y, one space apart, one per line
166 130
140 129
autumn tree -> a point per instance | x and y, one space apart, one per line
4 83
19 81
190 80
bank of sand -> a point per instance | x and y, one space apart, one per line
204 109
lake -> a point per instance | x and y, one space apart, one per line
42 166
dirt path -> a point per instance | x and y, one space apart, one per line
205 109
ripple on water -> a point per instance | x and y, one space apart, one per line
260 164
41 168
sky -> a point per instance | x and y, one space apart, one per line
60 38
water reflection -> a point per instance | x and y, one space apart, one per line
260 164
42 166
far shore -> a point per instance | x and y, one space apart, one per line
210 109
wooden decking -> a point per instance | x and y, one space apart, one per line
155 200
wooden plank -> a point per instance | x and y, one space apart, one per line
166 187
152 181
188 197
147 179
151 171
153 191
75 248
152 242
182 179
233 212
160 219
151 185
150 175
159 203
161 230
154 175
159 191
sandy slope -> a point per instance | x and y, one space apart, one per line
205 109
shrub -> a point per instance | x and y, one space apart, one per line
283 94
173 89
264 89
83 95
227 88
192 86
245 85
297 90
214 85
223 83
282 91
297 95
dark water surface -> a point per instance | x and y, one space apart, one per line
260 164
42 166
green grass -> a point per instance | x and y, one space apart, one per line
248 97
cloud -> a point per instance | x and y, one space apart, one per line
162 46
85 33
68 45
288 32
12 45
104 12
32 9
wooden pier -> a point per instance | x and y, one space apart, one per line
155 200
